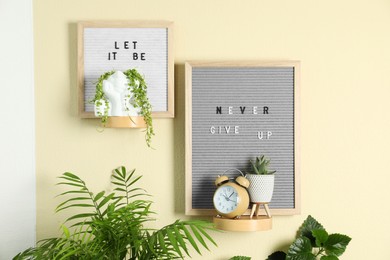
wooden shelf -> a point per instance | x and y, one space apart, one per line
126 122
259 223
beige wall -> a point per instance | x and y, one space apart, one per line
345 55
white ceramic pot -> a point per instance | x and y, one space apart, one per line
261 187
119 98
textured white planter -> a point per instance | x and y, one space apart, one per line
120 99
261 187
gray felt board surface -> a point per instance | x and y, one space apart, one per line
239 113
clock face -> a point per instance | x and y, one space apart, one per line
226 199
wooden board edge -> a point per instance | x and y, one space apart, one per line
80 70
274 212
189 65
126 23
171 73
155 115
81 25
188 139
244 63
297 136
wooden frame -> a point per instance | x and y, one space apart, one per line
168 88
189 67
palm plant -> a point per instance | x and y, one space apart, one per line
111 226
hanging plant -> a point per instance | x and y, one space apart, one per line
100 97
138 88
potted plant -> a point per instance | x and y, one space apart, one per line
121 101
313 242
113 226
261 180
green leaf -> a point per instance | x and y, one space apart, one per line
83 215
105 200
278 255
130 175
254 168
72 176
206 235
82 223
321 236
336 244
118 183
329 257
124 172
98 196
240 258
307 227
300 249
180 239
198 236
134 181
71 179
66 231
119 189
76 205
71 184
74 192
191 239
119 178
117 171
72 199
173 241
162 242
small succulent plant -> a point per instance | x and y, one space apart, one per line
260 166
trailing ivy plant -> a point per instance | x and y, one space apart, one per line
99 96
240 258
137 86
112 226
313 242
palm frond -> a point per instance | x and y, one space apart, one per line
112 226
173 240
124 182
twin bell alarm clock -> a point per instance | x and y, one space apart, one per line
231 199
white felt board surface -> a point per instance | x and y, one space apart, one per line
121 46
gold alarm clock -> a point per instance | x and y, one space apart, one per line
231 199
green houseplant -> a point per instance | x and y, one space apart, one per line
112 226
261 180
313 242
260 166
133 98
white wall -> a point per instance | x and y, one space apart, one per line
17 128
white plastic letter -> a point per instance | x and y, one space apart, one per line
230 110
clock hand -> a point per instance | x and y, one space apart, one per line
225 196
231 194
